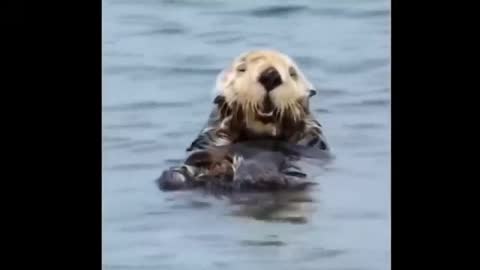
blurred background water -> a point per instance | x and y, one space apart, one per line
160 59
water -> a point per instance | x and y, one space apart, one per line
160 59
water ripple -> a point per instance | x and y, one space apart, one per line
351 67
322 110
361 126
138 19
158 213
135 166
192 3
193 204
274 11
353 14
134 267
194 59
150 148
331 92
321 253
173 162
138 125
165 3
145 105
381 102
307 61
115 139
130 144
280 11
150 70
168 30
225 37
140 228
226 40
358 215
262 243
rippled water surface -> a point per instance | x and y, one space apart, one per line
160 59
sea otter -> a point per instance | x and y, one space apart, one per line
262 95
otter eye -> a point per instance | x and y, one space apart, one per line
242 67
293 72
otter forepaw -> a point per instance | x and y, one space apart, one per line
173 179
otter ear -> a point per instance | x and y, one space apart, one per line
223 79
312 92
219 100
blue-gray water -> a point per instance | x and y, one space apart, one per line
160 59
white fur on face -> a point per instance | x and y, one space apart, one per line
242 87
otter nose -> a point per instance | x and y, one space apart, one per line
270 78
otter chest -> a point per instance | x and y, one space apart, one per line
262 129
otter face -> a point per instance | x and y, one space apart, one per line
265 86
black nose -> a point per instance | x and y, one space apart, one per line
270 78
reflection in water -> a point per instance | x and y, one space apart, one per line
285 206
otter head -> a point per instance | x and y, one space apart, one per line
264 88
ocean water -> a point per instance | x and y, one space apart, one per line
160 60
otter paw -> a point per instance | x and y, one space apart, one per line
172 179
